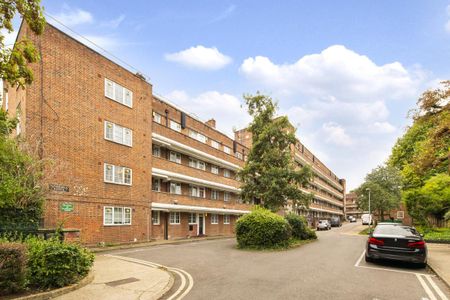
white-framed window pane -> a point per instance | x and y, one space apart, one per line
156 185
107 215
214 219
127 215
128 136
226 150
109 89
226 196
194 191
155 217
226 219
201 192
109 130
214 195
118 134
118 215
118 93
215 169
175 157
157 118
214 144
226 173
201 165
127 176
192 162
118 174
109 173
128 100
156 150
175 126
175 188
192 218
174 218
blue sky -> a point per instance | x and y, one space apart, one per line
345 72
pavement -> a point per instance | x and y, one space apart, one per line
439 260
116 278
332 267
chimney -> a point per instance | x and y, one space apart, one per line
211 123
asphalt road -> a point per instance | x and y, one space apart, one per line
332 267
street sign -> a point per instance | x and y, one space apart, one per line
58 187
67 207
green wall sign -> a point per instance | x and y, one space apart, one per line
67 207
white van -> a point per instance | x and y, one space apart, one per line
366 219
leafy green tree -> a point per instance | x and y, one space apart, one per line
14 60
21 195
384 185
422 155
270 173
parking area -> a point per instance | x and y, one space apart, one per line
332 267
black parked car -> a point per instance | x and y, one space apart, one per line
335 222
396 242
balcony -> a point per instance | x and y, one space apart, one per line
168 198
168 165
324 208
183 143
323 197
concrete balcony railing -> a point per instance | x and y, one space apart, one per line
314 206
162 197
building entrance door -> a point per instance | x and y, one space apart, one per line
201 224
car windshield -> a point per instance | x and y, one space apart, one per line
395 230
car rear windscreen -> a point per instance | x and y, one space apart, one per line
394 230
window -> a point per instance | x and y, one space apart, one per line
198 192
226 196
226 150
239 155
156 150
175 188
226 219
198 164
155 217
175 157
214 195
214 169
226 173
156 118
214 144
118 93
117 174
116 215
118 134
198 136
192 217
400 214
174 218
214 219
156 185
175 126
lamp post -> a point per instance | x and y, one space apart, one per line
370 215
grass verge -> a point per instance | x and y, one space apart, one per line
365 231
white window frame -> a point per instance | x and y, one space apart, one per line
239 155
214 219
113 170
195 191
177 156
400 214
178 190
227 150
158 180
215 169
215 144
190 218
123 215
176 220
157 117
175 125
156 150
226 219
226 196
226 173
216 193
198 164
114 96
115 128
198 136
156 220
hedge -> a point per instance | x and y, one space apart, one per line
13 272
300 229
262 229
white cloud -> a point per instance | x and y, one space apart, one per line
349 75
447 26
226 109
335 134
9 38
200 57
382 127
114 23
73 17
225 14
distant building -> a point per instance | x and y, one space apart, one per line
351 206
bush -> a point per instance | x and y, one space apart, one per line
300 229
262 229
53 263
13 261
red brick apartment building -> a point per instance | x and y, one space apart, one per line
327 188
127 165
351 206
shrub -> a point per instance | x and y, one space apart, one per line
299 226
310 234
262 229
13 262
53 263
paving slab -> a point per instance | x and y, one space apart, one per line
119 279
439 260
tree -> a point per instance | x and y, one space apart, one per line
21 194
384 184
422 155
270 173
14 60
